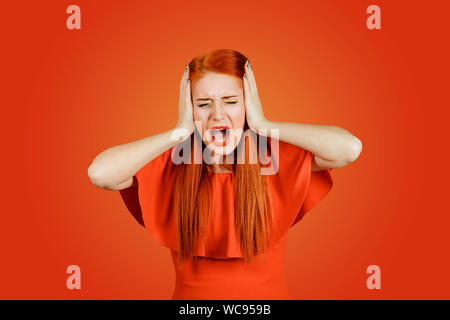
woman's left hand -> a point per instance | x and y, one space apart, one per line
253 107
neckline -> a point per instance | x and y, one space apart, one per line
222 173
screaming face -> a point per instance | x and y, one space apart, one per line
218 102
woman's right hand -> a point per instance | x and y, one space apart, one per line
185 109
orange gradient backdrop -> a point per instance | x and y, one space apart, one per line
70 94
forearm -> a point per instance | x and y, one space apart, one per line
327 142
119 163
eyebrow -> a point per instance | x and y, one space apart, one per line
226 97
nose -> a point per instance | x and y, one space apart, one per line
218 113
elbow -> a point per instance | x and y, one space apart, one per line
355 148
96 177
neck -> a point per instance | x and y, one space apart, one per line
219 167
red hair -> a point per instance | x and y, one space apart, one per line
193 186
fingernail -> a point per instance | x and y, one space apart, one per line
247 63
186 68
245 75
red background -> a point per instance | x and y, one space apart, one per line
70 94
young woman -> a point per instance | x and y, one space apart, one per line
211 189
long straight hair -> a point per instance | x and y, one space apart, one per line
193 186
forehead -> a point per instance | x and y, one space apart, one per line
214 84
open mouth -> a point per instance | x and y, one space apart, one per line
220 135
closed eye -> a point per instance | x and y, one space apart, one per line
229 102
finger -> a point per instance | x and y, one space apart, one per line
183 79
246 87
251 77
188 92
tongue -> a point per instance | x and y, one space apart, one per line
218 135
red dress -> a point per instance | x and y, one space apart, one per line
221 272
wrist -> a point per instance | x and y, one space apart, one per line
181 132
188 127
263 123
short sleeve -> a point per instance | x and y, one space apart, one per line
320 183
295 190
154 168
131 199
152 200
